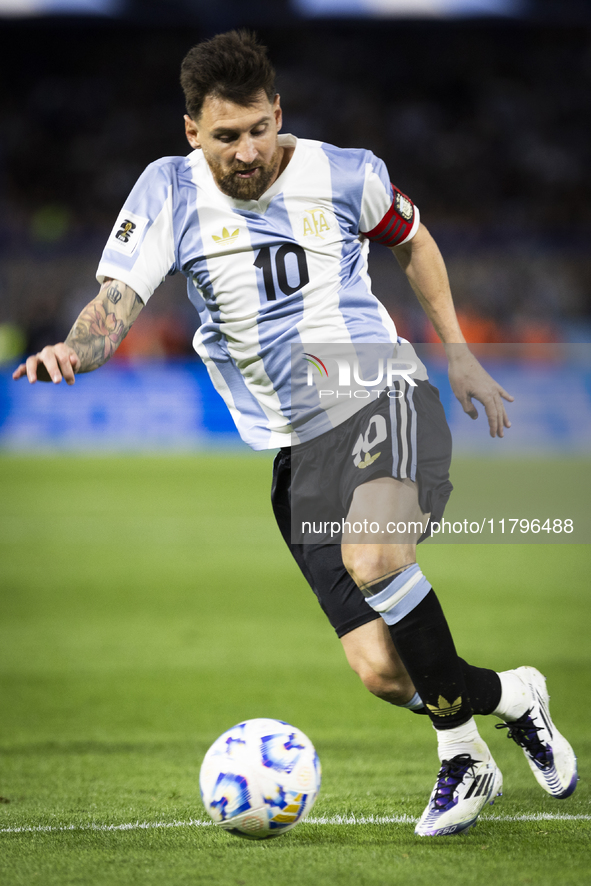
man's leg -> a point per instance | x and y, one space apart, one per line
372 655
394 586
374 567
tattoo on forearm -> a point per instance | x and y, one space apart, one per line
114 294
98 332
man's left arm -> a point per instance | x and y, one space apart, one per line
421 261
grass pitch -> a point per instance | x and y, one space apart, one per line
148 604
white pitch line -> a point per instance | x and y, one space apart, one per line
333 819
409 819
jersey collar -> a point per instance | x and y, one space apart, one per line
261 205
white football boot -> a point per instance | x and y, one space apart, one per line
463 788
550 756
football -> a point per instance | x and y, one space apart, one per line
260 778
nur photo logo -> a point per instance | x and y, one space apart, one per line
348 373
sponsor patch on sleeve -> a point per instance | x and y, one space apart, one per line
127 232
403 206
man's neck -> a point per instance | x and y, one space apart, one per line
286 157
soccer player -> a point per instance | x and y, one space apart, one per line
272 234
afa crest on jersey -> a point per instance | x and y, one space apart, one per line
317 222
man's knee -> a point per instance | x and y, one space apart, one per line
367 563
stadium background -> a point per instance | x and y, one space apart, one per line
483 121
119 662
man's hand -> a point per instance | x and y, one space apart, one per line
468 379
95 336
53 363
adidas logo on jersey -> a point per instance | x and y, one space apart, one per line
226 235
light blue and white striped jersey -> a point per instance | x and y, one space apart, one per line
267 276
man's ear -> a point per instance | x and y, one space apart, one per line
192 132
278 112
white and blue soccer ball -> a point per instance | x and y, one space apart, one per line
260 778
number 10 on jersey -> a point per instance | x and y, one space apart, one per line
285 268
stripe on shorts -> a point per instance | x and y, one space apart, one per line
412 437
403 425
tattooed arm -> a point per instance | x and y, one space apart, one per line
95 336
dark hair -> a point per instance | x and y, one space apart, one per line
232 66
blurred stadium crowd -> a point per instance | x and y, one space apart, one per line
485 126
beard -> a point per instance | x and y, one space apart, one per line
245 188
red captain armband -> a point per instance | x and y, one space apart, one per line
397 223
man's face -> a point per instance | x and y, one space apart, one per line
239 143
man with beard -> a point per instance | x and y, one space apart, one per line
272 234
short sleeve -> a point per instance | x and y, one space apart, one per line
140 250
388 216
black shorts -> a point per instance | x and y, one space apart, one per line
417 445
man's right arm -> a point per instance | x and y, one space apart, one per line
94 338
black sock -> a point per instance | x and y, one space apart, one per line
483 687
426 647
